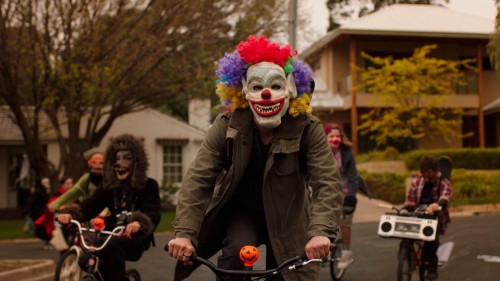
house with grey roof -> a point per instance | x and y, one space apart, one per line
396 31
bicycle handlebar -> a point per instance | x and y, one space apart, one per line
290 264
419 210
117 231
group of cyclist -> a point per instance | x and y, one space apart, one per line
267 173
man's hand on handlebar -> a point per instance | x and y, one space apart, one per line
318 247
181 249
64 218
433 208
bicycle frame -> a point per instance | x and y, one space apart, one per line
409 259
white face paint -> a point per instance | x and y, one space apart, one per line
268 92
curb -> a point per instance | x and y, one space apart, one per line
369 211
19 240
471 210
43 270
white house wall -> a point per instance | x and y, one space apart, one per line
151 126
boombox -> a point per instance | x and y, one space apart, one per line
392 225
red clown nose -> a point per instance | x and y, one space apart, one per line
266 94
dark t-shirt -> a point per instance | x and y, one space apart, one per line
248 195
427 197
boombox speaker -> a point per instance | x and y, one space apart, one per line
407 227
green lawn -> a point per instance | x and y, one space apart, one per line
13 229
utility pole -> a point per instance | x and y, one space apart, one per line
292 23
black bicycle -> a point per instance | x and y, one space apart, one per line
88 239
249 258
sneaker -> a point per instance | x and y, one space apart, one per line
345 260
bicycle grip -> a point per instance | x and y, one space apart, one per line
192 257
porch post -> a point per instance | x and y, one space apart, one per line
480 112
354 109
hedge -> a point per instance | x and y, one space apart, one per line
469 187
463 158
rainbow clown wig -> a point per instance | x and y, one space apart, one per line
233 67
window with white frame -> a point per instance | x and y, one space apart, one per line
172 163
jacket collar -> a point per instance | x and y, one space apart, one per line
290 127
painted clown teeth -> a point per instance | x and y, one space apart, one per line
267 109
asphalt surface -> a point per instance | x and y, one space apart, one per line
476 238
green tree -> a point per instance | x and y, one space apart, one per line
341 10
83 64
413 92
494 44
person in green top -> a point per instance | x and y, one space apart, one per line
87 184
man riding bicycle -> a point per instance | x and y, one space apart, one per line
248 184
431 189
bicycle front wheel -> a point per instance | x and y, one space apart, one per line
336 272
67 268
405 262
133 274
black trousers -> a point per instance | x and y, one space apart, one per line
113 257
245 229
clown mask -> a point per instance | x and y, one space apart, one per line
123 165
268 92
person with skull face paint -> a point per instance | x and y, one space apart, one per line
248 183
126 188
341 149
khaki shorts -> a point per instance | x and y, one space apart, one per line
346 220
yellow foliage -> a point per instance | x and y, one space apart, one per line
415 90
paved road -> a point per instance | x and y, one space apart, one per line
375 257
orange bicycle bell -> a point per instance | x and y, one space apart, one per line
98 223
249 255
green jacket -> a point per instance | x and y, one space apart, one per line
84 187
292 216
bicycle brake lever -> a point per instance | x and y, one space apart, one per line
303 263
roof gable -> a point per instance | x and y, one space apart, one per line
155 123
411 20
9 130
147 120
422 18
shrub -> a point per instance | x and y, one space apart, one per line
390 153
386 186
466 158
168 193
469 187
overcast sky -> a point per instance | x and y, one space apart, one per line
319 12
